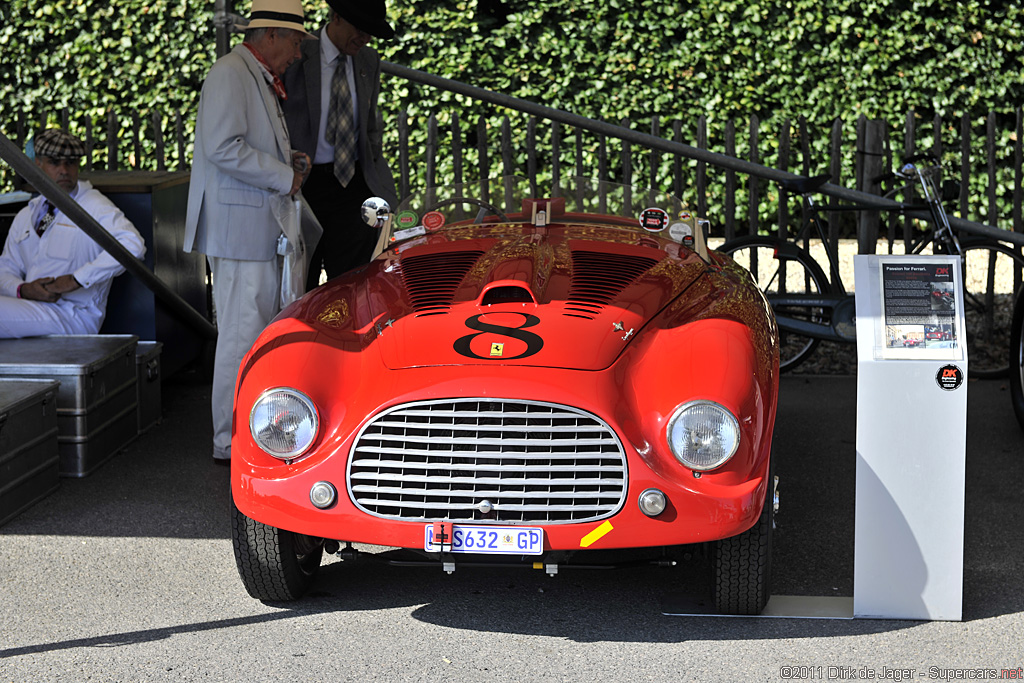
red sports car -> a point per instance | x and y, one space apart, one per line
520 385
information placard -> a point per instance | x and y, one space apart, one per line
919 309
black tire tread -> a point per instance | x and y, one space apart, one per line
266 560
743 565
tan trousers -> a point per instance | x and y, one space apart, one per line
247 296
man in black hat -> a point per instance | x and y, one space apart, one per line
332 116
54 279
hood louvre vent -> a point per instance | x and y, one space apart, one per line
597 278
432 279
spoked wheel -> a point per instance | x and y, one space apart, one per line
743 564
1017 358
485 206
274 564
783 271
989 282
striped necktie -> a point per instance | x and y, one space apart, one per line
340 129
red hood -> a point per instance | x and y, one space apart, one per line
568 296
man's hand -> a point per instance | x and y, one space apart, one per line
49 289
63 284
300 166
37 291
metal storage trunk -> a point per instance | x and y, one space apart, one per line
96 404
28 444
147 383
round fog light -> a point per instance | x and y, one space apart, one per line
652 502
323 494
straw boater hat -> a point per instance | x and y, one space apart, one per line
276 14
57 143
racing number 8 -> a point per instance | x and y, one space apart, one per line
533 342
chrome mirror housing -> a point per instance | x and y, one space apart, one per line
375 211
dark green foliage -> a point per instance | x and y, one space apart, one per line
613 60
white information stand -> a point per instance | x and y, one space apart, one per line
911 438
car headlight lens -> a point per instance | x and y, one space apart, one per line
703 435
283 422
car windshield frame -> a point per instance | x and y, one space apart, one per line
574 200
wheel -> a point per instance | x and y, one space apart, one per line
989 283
1017 358
743 564
274 564
469 200
783 271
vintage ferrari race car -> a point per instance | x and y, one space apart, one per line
572 373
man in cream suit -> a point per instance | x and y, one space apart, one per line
334 193
244 174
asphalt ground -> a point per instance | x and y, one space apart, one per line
128 575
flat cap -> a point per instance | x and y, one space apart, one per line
57 143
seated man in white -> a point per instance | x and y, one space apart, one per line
54 279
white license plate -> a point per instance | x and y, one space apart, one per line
488 540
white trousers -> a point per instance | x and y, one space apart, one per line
247 296
27 318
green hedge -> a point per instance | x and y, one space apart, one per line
613 60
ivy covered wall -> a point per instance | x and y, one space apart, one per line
608 59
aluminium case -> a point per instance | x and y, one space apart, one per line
29 459
96 402
148 383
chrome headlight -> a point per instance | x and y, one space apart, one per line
703 435
283 422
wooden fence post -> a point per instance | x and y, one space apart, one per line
965 165
754 183
556 158
783 165
869 155
456 149
158 137
483 160
403 153
730 181
655 161
431 160
677 161
112 124
531 154
508 168
702 170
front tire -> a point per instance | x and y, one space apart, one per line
743 564
274 564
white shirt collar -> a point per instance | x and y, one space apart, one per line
328 50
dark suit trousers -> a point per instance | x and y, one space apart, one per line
347 241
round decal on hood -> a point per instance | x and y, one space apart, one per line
653 220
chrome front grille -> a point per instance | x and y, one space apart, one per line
488 460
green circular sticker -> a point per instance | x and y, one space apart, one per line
406 219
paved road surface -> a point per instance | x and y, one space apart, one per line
128 575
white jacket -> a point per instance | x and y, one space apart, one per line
242 163
64 248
